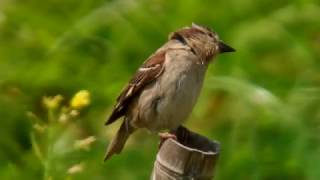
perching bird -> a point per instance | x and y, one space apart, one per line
164 90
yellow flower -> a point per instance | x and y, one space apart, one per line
80 99
52 102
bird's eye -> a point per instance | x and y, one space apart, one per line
210 34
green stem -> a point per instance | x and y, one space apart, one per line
50 116
50 141
36 148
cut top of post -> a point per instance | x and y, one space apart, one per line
191 157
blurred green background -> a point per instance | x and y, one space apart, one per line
262 103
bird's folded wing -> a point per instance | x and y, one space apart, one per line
149 71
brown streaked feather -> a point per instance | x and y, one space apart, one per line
188 33
149 71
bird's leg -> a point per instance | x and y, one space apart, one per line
166 135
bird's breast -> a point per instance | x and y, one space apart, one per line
170 100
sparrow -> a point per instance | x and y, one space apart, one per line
163 91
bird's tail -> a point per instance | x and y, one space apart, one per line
118 142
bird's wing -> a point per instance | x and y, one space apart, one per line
149 71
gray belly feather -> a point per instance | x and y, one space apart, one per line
167 103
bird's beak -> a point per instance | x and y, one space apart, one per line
223 48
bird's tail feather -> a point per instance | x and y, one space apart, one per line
117 143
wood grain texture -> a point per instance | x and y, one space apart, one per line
191 157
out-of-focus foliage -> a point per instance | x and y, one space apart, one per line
262 102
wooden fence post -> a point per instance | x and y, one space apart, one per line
192 156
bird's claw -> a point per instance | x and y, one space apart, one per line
166 135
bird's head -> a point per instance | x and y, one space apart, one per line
202 40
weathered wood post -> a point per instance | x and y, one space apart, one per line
192 156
